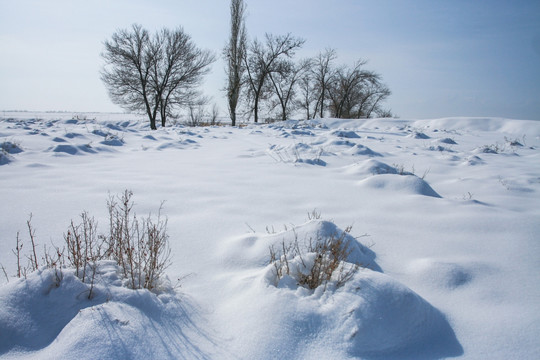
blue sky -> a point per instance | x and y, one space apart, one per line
439 58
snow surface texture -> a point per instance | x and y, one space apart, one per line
449 207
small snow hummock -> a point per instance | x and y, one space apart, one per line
50 315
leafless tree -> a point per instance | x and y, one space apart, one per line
323 72
355 92
262 59
385 113
366 99
196 112
306 88
234 54
179 70
284 81
127 75
214 115
343 90
153 74
375 93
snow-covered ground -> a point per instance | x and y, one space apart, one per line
445 214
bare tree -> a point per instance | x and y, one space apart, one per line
153 74
354 92
127 75
234 54
378 93
307 91
347 92
385 113
343 89
323 72
262 59
284 80
179 70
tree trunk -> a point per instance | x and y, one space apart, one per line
256 109
233 102
152 118
322 102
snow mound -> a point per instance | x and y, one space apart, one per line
418 135
473 160
370 167
312 162
7 149
346 134
182 144
10 147
410 184
100 132
252 250
121 126
444 274
297 153
488 149
5 158
370 316
447 141
378 316
73 149
439 148
339 143
351 148
302 132
288 131
112 141
43 317
360 149
73 135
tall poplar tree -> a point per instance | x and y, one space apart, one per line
234 54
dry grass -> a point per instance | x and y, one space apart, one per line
139 247
316 262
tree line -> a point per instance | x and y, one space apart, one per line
161 74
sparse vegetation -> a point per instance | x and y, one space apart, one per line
400 170
468 196
292 154
10 147
497 148
314 215
315 262
140 248
504 183
5 272
492 149
7 148
515 142
84 248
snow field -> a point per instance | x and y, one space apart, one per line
452 237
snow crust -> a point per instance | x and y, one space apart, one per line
444 217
